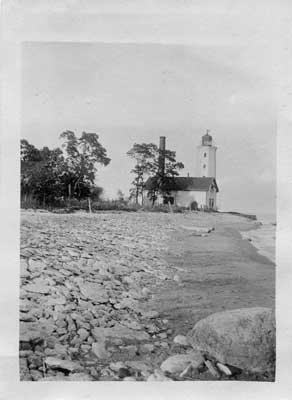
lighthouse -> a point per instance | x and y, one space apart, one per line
206 157
195 192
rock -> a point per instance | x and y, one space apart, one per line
146 291
60 350
150 314
57 301
198 230
83 334
182 340
51 352
99 350
119 332
23 365
212 369
85 348
115 366
140 366
37 288
79 377
23 269
132 325
26 317
124 372
36 375
187 371
179 362
25 306
72 253
131 350
36 265
128 303
157 376
66 365
223 368
28 335
244 338
94 292
147 348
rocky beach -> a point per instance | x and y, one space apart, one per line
136 297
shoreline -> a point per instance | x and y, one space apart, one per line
155 280
263 239
220 272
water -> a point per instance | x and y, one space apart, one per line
264 238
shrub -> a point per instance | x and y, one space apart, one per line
163 208
113 205
194 206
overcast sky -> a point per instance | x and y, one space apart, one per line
135 92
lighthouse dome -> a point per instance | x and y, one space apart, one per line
207 139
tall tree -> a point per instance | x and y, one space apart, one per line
82 156
162 181
145 155
147 165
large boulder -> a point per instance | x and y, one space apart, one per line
244 338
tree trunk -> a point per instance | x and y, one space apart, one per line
69 191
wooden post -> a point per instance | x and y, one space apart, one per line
89 205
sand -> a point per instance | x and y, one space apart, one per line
219 272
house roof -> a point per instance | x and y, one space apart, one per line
187 183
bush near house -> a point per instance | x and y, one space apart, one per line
194 206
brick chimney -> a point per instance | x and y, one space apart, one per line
161 160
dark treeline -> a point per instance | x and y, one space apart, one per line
59 176
65 176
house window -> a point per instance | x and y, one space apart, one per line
205 155
168 199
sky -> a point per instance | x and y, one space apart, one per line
134 92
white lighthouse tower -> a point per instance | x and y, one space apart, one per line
206 160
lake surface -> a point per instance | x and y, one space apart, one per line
264 238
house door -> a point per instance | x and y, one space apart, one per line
211 203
